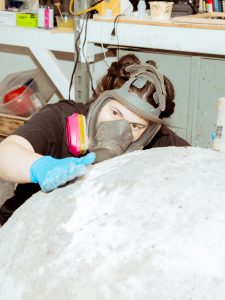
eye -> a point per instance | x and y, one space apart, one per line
136 127
116 113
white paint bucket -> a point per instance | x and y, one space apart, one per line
161 10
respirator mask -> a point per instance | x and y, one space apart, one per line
112 138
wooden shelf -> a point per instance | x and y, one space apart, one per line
212 21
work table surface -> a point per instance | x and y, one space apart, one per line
212 21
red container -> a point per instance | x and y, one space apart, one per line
24 93
18 101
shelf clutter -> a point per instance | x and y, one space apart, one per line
213 20
32 20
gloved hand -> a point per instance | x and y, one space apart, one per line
50 172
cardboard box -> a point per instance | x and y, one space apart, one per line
27 19
7 18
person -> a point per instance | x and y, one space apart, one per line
124 114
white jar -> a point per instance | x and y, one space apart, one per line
161 10
219 140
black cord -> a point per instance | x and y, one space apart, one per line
113 33
77 58
87 64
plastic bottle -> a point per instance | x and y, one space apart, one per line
141 9
209 6
219 140
49 16
41 16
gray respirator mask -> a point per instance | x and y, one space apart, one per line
112 138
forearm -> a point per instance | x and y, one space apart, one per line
19 163
15 162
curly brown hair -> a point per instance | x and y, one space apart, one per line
116 76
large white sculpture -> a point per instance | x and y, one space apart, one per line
149 225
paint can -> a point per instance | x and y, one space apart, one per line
161 10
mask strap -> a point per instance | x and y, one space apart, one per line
137 69
155 97
141 80
151 74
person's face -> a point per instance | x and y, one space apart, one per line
113 110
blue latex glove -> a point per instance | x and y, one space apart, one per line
50 172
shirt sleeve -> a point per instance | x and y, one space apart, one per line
165 138
44 130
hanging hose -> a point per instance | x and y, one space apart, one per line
94 7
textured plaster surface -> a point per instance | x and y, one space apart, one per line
149 225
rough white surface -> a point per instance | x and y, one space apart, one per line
149 225
6 190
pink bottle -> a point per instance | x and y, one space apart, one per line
49 17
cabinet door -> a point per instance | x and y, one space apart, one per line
211 87
177 68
